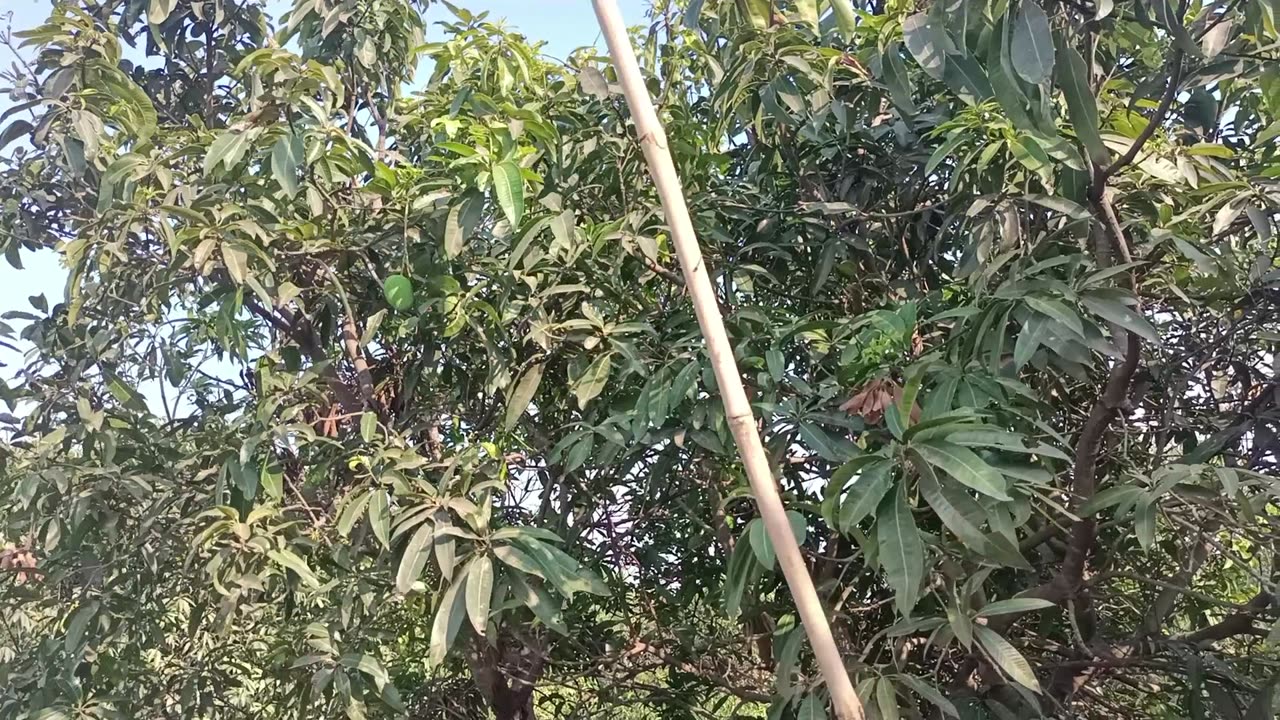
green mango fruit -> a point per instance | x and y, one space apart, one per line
1201 111
398 290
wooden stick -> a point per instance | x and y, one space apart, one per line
736 406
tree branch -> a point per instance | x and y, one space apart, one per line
1157 119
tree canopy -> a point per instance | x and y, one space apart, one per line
374 390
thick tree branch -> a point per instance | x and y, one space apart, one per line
1157 119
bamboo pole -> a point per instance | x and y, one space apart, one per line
737 408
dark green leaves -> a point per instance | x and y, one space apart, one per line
901 550
960 513
1117 312
865 494
1032 44
1074 79
894 76
448 619
964 465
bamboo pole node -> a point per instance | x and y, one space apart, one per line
764 487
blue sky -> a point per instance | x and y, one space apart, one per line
563 24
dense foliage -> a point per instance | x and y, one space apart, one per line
373 393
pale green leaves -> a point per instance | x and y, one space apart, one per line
227 149
1032 44
846 20
522 395
508 187
237 262
291 560
479 591
928 43
159 10
592 381
286 158
1006 657
901 550
462 221
415 556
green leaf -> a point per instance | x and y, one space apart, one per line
479 591
887 699
462 220
448 619
125 393
1144 524
537 599
965 466
592 380
446 548
1014 606
226 149
414 558
517 559
813 707
1082 106
927 43
895 77
1007 657
368 665
799 526
286 156
77 625
775 362
380 516
352 510
736 576
288 559
846 20
901 550
1033 334
758 12
237 261
522 395
957 511
368 425
158 10
929 693
758 537
967 79
866 494
15 130
1057 311
1122 315
508 186
1032 44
